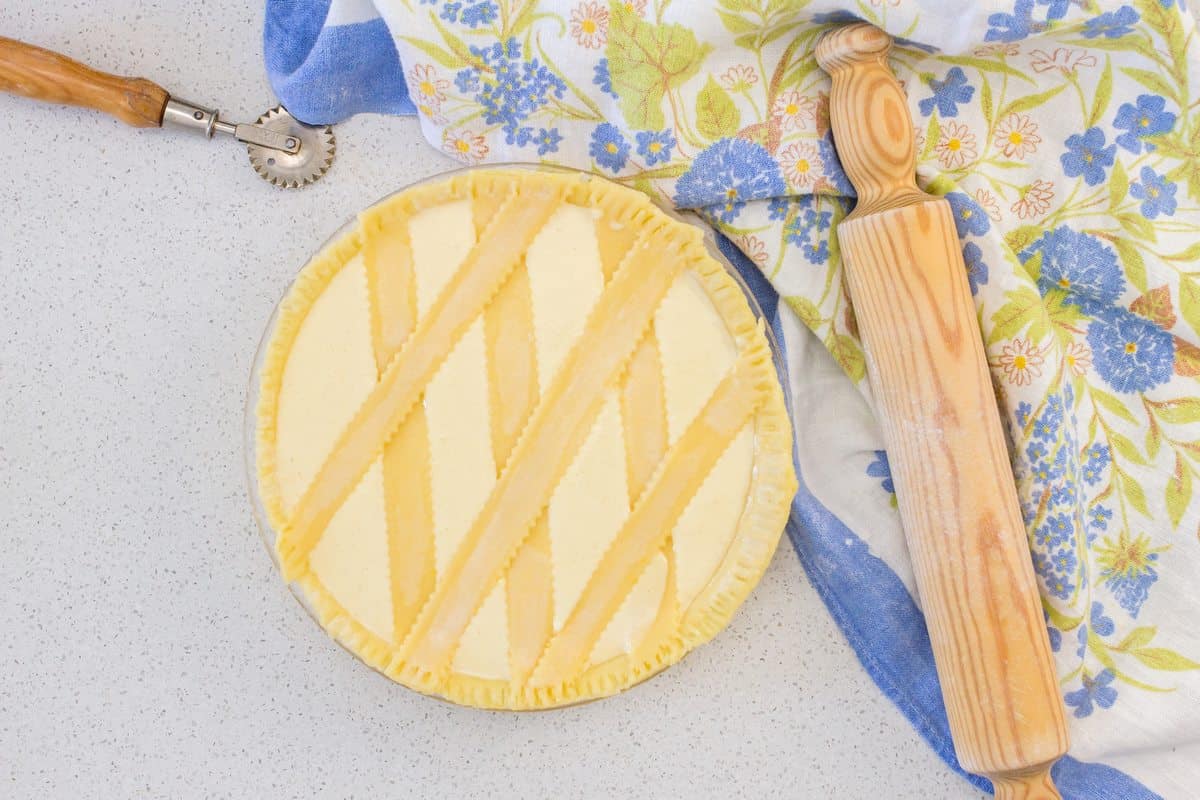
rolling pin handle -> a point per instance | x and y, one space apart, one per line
881 158
1034 785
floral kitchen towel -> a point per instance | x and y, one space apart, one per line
1065 135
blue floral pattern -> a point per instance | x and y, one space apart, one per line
805 228
602 79
1065 144
969 218
1142 122
473 15
1080 266
1088 156
879 468
1006 27
733 170
1094 689
1156 193
510 88
1112 25
948 93
608 147
1131 353
655 147
977 271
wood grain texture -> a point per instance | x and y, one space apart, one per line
947 451
1035 786
45 75
877 147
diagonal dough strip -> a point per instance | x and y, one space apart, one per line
400 385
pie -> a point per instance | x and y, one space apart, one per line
520 438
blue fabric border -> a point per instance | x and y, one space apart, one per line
324 74
885 628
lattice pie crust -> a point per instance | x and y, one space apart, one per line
521 439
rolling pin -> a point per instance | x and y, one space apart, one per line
954 484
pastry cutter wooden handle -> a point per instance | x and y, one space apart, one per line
954 483
282 149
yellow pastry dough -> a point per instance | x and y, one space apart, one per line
521 439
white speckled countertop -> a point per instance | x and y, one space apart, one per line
149 649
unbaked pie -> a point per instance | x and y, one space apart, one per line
521 439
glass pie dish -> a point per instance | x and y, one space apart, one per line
594 609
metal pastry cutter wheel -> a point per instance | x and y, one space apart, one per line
283 150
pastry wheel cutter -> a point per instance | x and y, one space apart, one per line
283 150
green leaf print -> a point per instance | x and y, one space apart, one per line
1096 647
1059 619
1019 238
1024 309
806 310
1062 312
1124 44
443 57
1188 254
1112 405
1134 493
932 132
735 23
1126 448
1103 94
987 65
1153 441
1118 185
1179 490
1133 260
1188 154
645 61
716 115
776 6
846 351
524 18
1152 81
457 46
1138 637
1138 225
1189 300
941 186
1178 412
1030 101
986 103
1164 659
1156 15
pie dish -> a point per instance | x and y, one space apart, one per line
519 438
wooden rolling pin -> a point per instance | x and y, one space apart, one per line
954 483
